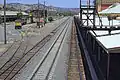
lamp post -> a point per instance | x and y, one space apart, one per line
5 41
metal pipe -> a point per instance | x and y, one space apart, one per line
80 12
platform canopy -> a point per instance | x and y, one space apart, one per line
12 13
113 9
109 41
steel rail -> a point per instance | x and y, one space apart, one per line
12 55
17 62
47 76
45 56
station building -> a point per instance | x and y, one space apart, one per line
11 15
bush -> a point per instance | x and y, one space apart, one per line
50 19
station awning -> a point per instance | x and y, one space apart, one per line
113 9
12 13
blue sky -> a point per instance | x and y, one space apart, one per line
57 3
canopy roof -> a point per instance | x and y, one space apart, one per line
12 13
113 9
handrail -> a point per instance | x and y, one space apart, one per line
95 54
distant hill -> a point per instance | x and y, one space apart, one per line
25 7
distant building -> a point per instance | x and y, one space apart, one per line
11 15
37 13
103 4
41 12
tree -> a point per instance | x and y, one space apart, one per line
68 13
19 15
50 19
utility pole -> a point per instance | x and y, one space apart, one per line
38 14
5 41
44 12
101 5
44 9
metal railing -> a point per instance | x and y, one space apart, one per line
95 55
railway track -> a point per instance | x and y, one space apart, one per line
18 42
13 44
75 65
6 69
20 58
43 69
